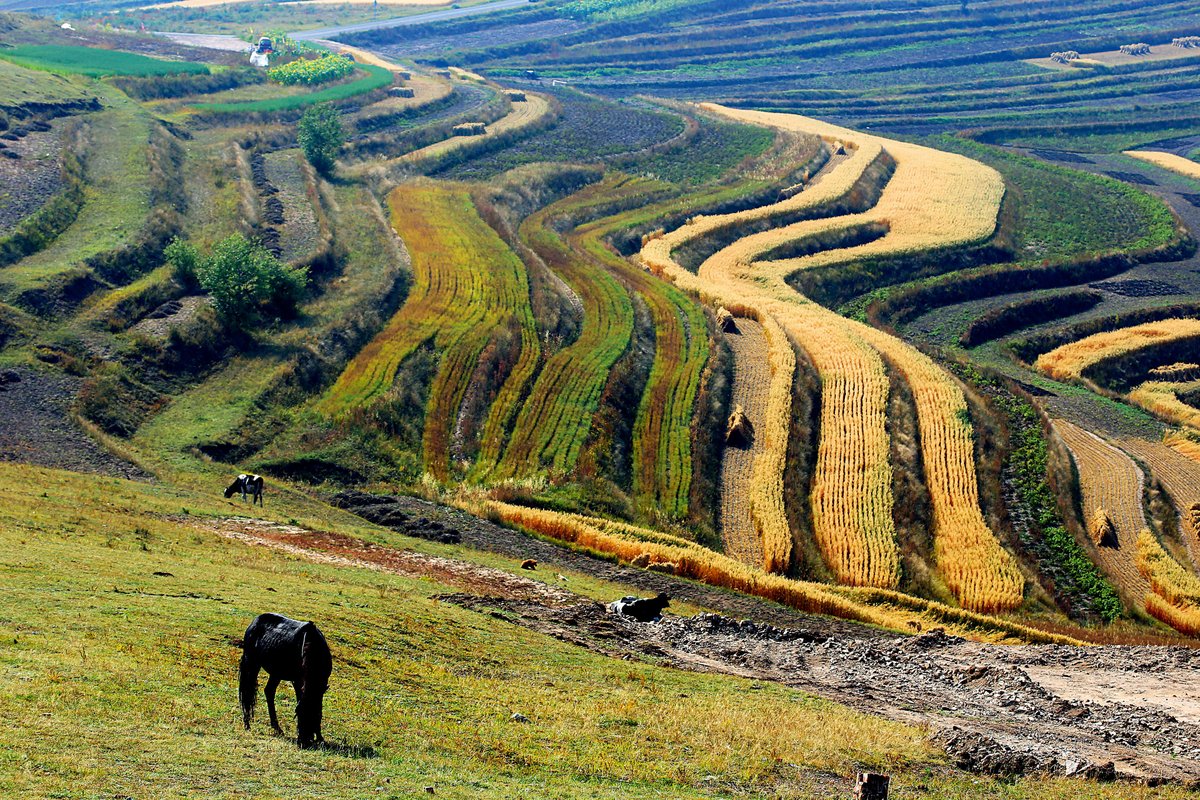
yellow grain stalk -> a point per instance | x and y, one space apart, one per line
933 200
1069 361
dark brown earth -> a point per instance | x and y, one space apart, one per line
1105 711
36 426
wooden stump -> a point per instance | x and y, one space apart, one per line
871 786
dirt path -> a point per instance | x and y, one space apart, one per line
1093 711
751 384
347 551
1109 480
996 709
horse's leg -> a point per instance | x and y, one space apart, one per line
272 684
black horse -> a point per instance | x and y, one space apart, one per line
289 650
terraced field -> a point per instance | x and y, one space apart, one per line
751 391
1110 483
851 492
456 303
534 330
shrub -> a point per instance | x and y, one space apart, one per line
321 135
241 277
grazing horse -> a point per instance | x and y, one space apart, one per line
248 485
289 650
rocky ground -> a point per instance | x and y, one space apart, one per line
36 426
1105 711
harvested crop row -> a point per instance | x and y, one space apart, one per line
532 111
1170 161
933 200
751 383
553 424
1070 361
1175 595
1179 474
467 283
980 573
1110 481
690 560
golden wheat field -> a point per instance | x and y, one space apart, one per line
1175 163
1175 592
1070 360
932 200
1162 400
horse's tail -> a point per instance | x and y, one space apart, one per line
248 682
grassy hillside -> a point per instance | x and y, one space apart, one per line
125 660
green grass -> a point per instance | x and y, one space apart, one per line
376 78
117 681
19 86
93 61
1055 222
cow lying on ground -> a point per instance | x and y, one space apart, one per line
643 609
248 485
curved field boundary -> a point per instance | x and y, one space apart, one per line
1180 476
467 283
1177 164
1162 399
690 560
1175 595
934 200
535 110
751 386
1109 480
555 420
1070 361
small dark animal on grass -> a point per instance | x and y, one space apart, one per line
289 650
643 609
529 563
248 485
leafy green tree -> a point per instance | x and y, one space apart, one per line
183 258
321 136
241 277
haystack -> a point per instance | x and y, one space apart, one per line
738 431
1103 532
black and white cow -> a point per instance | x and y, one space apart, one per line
643 609
248 485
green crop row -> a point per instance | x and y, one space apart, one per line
376 78
556 419
93 61
466 284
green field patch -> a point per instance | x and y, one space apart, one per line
19 86
375 78
94 61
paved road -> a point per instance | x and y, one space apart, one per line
415 19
